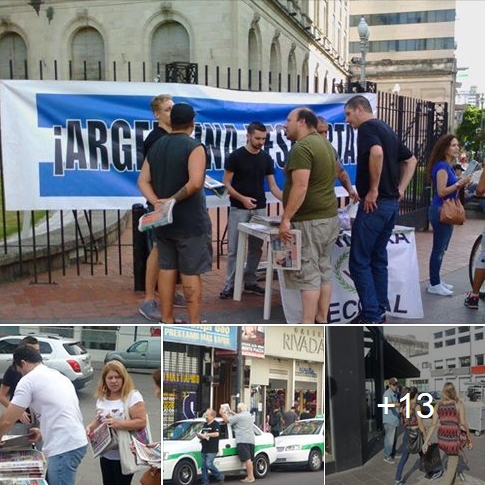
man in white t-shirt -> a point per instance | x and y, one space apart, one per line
52 398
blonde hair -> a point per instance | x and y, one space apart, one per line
449 391
102 391
157 101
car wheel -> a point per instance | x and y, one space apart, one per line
315 460
261 466
184 473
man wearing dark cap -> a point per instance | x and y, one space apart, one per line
175 169
390 421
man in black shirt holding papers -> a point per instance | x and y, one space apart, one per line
209 438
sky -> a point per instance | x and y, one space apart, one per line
469 26
421 332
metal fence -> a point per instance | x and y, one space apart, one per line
86 238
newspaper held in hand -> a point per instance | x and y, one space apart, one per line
147 455
287 255
160 217
226 408
100 439
471 167
216 187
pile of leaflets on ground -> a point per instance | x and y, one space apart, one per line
25 467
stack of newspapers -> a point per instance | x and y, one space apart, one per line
26 467
147 455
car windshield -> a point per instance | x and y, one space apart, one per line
182 431
303 427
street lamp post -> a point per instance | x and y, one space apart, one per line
364 34
482 99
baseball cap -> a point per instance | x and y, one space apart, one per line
182 114
392 381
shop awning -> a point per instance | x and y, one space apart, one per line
396 365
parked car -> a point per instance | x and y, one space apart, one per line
145 353
66 355
301 443
182 458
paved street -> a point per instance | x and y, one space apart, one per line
89 472
376 472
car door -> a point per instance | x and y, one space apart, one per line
136 354
227 460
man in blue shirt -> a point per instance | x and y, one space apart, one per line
390 420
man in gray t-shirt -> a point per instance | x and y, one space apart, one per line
243 427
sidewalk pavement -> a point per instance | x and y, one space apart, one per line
377 472
110 299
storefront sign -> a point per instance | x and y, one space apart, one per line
217 336
305 373
180 378
252 341
304 341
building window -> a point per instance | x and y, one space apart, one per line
479 359
479 336
438 335
464 339
405 45
438 364
450 363
450 331
464 361
274 65
423 17
438 345
291 72
254 58
463 329
13 57
450 342
170 43
87 51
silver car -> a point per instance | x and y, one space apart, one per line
66 355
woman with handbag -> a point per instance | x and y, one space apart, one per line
446 188
414 431
453 431
122 408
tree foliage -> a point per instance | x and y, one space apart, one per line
469 132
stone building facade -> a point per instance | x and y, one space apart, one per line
284 45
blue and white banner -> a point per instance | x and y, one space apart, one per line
217 336
78 144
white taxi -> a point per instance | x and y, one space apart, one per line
182 456
301 443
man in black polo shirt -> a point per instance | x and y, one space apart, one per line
209 438
385 166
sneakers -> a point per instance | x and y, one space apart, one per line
399 482
361 320
436 475
255 289
471 301
439 289
446 285
226 293
389 460
179 301
150 310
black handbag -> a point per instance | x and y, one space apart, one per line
415 441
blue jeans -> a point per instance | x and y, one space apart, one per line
441 238
208 465
61 469
368 256
255 246
390 440
404 456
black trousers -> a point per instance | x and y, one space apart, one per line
111 472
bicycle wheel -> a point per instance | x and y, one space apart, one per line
474 255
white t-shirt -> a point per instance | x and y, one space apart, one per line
116 409
52 397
